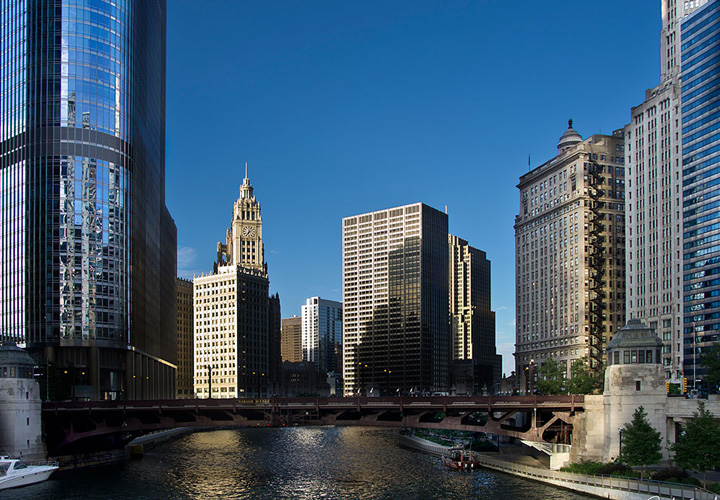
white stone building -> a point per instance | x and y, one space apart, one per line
654 199
232 319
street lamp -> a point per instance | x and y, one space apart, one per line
532 377
620 442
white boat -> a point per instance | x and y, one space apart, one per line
15 472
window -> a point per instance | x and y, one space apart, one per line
637 385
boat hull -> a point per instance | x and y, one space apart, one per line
25 478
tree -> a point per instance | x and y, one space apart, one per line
698 445
710 359
582 379
640 442
551 378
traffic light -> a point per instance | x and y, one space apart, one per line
684 385
667 387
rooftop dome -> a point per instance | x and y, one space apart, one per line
634 334
569 138
11 354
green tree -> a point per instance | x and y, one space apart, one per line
698 445
710 359
640 442
582 379
551 378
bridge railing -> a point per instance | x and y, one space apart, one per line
644 486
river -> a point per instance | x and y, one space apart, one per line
286 463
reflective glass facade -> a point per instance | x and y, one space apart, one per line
396 324
700 45
87 246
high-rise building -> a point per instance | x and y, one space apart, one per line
653 216
232 311
476 364
275 344
396 333
291 348
87 245
700 195
185 339
570 254
322 334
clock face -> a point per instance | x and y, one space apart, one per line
248 231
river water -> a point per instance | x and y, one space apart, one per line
286 463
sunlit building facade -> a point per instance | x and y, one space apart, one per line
291 339
185 339
322 334
700 194
87 245
570 254
654 184
476 364
396 324
233 311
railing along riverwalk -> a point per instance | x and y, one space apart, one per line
600 485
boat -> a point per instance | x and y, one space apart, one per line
461 459
14 472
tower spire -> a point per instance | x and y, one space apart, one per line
246 170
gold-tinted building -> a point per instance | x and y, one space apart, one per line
291 347
185 341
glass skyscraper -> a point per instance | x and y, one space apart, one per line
87 245
700 52
396 322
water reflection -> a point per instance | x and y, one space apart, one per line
288 463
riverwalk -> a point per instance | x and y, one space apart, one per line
612 487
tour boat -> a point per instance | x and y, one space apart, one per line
461 460
15 472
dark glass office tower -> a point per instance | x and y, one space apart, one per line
87 246
396 328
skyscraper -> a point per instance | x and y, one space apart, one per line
185 339
570 254
653 216
395 300
232 310
322 334
87 245
291 343
476 364
700 196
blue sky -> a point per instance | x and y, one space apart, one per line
343 107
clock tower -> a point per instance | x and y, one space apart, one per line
244 245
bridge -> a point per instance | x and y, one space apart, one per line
91 426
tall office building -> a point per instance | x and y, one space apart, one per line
275 344
322 334
291 346
232 311
87 245
185 340
476 364
570 254
653 215
396 331
700 194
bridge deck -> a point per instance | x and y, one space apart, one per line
80 425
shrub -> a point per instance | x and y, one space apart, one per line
714 487
670 475
589 467
614 469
